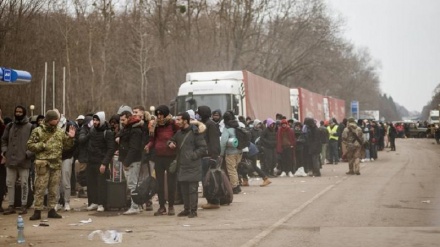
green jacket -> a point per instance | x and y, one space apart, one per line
48 142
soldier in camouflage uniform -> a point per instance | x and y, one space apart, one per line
47 142
353 138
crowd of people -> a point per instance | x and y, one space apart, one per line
54 157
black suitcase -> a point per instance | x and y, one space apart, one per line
116 195
116 187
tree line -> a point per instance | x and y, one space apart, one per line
138 52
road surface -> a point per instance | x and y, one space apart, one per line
394 202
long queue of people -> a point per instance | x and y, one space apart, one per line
59 157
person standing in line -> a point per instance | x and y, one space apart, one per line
163 129
392 134
212 139
286 143
130 153
100 148
66 172
313 143
353 138
18 157
232 154
190 146
324 140
146 163
48 142
268 141
333 142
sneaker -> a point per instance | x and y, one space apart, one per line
283 174
245 183
171 211
100 208
92 206
362 160
210 206
67 206
131 211
58 207
371 159
350 173
290 174
358 173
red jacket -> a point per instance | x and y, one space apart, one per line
162 134
291 136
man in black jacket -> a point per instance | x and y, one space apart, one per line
212 138
17 157
130 152
191 147
101 146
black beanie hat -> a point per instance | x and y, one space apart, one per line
163 109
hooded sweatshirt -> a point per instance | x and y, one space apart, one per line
101 144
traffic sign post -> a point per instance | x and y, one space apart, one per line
355 109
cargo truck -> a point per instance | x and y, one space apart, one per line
247 94
306 103
434 117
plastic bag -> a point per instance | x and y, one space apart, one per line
109 236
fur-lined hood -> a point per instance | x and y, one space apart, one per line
200 126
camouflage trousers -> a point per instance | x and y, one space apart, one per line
354 159
50 180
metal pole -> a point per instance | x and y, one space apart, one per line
64 91
53 85
45 87
42 97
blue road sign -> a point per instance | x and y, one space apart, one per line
14 76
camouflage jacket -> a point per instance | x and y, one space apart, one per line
349 136
48 143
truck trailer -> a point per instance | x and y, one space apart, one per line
243 92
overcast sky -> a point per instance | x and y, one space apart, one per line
404 36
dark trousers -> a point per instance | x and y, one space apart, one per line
253 162
190 195
299 157
316 164
373 151
334 151
393 143
270 160
3 187
287 160
96 184
205 169
162 164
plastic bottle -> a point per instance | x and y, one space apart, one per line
20 229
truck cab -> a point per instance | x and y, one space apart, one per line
223 90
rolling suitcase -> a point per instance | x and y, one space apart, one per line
116 187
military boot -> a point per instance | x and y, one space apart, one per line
53 214
36 215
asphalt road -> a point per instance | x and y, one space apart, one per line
394 202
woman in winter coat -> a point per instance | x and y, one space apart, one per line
286 143
268 141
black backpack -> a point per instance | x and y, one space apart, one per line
145 190
243 136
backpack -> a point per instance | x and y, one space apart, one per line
145 190
243 136
216 184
